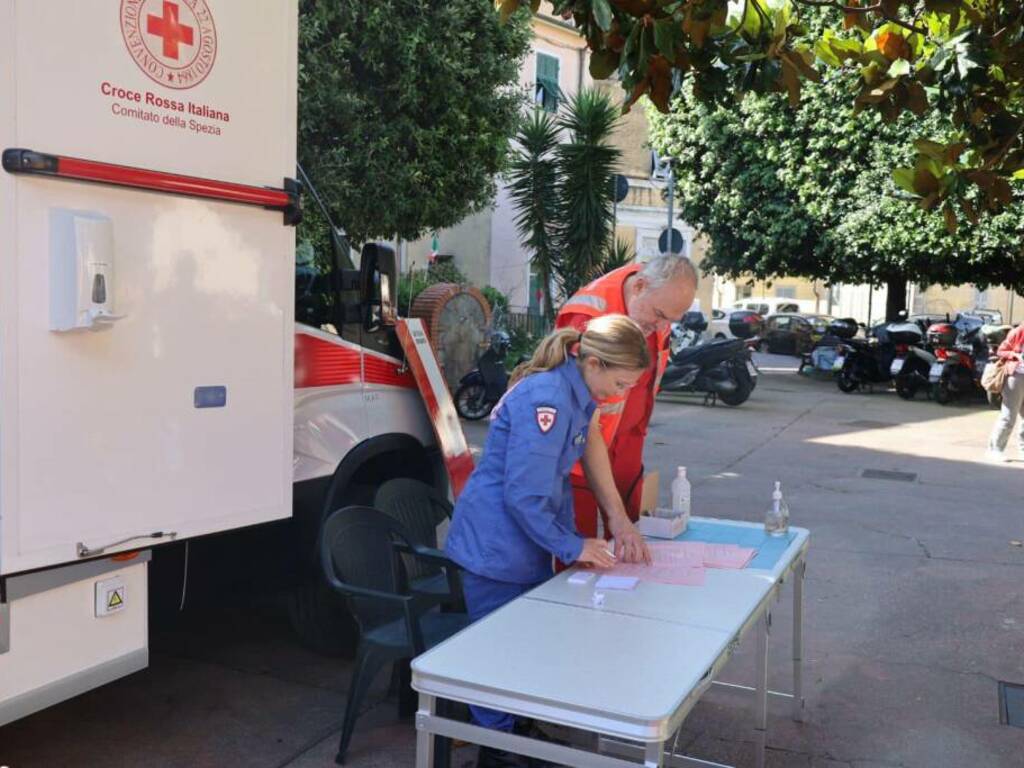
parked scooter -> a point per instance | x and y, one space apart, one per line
823 354
481 389
893 352
912 363
865 362
722 370
688 332
955 372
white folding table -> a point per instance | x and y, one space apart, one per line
628 671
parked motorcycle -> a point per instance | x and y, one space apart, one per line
864 362
911 365
481 389
955 372
823 354
688 332
893 352
722 370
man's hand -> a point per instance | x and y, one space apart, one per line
630 546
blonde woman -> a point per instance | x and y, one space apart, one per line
516 512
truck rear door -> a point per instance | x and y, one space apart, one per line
146 272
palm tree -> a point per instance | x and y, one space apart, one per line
619 253
532 186
586 169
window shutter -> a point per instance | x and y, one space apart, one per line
547 90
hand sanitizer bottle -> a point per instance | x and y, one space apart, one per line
681 496
776 519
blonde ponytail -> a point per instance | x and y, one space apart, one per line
552 351
615 340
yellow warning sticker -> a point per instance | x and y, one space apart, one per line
115 598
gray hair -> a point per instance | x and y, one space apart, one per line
661 269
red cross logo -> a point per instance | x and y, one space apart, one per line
546 416
170 30
176 47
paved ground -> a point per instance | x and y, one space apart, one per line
914 608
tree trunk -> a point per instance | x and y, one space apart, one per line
895 298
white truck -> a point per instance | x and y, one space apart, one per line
165 370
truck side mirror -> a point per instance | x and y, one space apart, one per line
378 281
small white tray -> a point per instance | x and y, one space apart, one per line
662 527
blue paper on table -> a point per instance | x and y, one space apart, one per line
769 548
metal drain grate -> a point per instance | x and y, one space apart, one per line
1011 704
884 474
867 424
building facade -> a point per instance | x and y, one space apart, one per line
867 304
486 247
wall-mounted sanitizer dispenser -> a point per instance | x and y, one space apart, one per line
81 271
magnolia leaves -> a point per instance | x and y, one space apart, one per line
938 171
507 7
964 57
652 43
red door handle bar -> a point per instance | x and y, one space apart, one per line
286 200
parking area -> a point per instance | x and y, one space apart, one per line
914 610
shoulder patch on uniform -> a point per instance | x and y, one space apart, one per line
546 417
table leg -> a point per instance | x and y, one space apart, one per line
798 642
761 726
654 754
424 738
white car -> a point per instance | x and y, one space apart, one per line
772 306
718 328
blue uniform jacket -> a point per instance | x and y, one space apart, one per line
516 510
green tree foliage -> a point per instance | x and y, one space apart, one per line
587 165
809 193
960 59
497 300
562 193
618 254
412 283
406 108
532 186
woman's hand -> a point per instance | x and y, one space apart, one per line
595 552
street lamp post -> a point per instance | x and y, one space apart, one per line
671 191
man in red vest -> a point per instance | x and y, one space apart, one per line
655 295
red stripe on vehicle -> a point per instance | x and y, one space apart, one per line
457 458
321 363
380 371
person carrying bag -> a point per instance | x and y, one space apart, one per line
1008 375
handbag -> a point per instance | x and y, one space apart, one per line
993 378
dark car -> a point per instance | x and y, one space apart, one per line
791 333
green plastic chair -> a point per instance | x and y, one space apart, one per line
420 509
361 555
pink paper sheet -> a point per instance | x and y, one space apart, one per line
727 556
683 562
680 563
